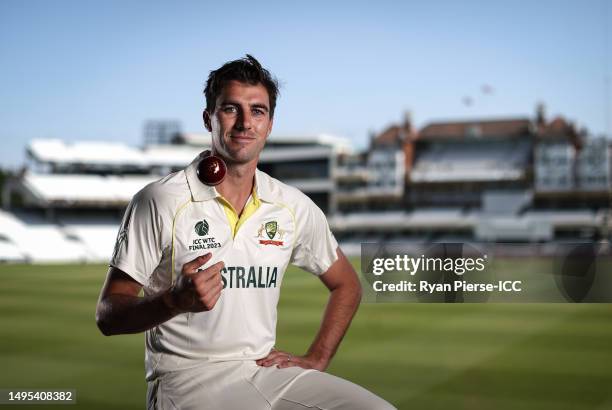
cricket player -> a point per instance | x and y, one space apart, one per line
210 261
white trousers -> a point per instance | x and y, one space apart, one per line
243 385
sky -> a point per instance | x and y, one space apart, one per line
97 70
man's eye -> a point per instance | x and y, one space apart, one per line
229 109
258 111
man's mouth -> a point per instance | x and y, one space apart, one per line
241 137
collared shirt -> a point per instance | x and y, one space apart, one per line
172 221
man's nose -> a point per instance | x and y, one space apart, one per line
244 120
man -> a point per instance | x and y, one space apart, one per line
211 261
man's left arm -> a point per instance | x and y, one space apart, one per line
344 298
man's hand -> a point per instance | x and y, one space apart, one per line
196 290
345 295
283 359
120 309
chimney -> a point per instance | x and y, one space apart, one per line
372 138
407 126
540 114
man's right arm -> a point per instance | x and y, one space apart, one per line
120 310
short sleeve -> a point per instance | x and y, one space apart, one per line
138 249
315 246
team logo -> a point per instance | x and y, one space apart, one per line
201 228
272 231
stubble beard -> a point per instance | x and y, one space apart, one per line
236 154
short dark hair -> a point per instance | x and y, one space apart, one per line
246 70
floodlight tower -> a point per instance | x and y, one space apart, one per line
161 132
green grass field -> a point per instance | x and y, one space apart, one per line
417 356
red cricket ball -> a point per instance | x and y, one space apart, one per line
211 170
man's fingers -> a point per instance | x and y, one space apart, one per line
273 354
215 299
212 270
276 357
215 268
193 265
207 300
291 363
210 294
208 277
198 291
263 359
295 361
207 282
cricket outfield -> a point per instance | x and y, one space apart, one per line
417 356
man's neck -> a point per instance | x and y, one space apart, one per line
238 184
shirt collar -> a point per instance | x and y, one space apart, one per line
202 192
262 186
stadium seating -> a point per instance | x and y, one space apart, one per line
30 237
97 234
401 221
9 252
41 241
471 161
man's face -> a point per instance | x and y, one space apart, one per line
241 122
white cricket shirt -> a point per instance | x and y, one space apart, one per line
172 221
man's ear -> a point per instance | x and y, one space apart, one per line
207 123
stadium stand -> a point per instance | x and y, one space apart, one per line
41 241
96 234
517 180
506 202
74 194
420 219
9 252
487 180
466 161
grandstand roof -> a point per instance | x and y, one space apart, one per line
58 189
85 152
501 128
112 155
394 135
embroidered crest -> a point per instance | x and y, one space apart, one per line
272 230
